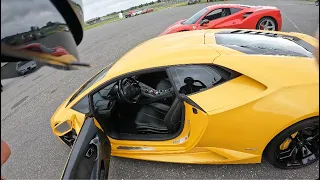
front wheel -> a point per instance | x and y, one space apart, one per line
296 146
268 24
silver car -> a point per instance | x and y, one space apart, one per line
24 67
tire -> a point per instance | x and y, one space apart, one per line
274 146
265 19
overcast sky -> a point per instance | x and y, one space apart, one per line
18 18
98 8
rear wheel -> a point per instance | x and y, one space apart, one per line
295 147
267 23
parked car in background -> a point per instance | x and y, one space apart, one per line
66 29
149 10
145 11
25 67
129 14
134 13
138 12
222 16
193 1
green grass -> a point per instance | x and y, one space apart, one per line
170 6
86 27
155 6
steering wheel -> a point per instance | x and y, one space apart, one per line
129 90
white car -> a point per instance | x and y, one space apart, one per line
138 12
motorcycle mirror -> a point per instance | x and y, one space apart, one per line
37 33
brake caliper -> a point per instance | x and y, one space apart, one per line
287 141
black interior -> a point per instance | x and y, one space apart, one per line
212 16
156 116
146 107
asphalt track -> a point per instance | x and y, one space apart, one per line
27 103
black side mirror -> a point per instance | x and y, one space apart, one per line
205 21
189 80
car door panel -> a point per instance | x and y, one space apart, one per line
230 21
235 19
197 120
232 93
90 155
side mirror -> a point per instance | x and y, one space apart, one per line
203 22
50 39
189 80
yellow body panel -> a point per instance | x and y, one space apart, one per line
240 116
164 51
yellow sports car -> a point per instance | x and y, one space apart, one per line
222 96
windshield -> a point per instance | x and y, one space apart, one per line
89 83
193 19
21 63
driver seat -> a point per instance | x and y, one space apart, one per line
153 120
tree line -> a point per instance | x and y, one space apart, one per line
135 7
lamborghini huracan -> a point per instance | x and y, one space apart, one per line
230 16
226 96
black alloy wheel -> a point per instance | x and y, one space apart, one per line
297 146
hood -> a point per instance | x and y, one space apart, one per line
172 27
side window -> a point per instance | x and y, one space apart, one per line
101 98
82 106
218 13
194 78
235 10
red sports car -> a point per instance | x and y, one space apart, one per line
230 16
37 47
